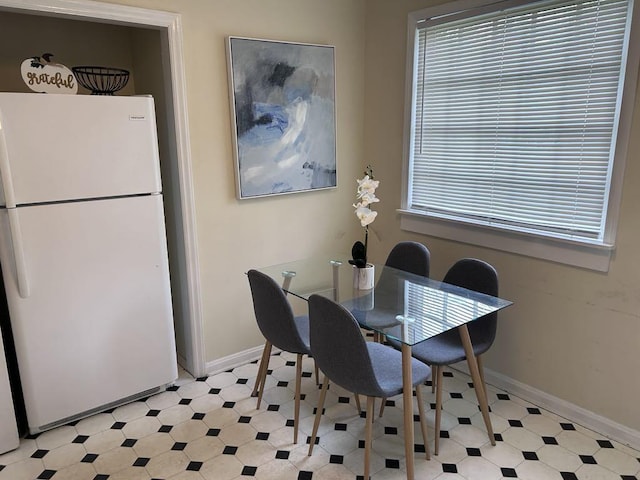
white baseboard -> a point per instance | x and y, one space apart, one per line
236 360
605 426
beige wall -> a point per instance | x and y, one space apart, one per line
233 235
572 333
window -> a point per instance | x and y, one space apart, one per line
516 122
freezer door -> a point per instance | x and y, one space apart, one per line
65 147
97 326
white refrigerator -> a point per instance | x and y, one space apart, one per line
83 252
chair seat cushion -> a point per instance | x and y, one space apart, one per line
387 366
443 349
375 319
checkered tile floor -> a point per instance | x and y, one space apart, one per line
209 428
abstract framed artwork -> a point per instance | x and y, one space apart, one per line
283 108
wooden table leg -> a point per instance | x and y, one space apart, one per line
407 404
477 380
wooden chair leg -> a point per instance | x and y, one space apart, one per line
423 422
256 386
316 423
357 397
368 437
315 366
436 443
296 415
481 370
262 372
434 374
384 401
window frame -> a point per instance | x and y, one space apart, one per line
593 255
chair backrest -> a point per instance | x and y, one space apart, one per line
412 257
480 276
274 314
338 347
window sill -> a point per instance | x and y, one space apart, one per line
580 254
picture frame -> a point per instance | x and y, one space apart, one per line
283 116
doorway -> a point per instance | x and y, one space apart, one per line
160 34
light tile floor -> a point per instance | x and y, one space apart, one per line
209 428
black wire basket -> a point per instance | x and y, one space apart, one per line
101 80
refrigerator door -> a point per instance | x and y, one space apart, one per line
97 326
9 431
66 147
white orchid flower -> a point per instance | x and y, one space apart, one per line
367 198
367 185
366 195
365 214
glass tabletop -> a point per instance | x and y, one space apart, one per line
407 307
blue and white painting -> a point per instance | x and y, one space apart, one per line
284 111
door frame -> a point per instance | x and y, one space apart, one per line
170 26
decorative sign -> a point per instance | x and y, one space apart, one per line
44 76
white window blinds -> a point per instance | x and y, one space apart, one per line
515 116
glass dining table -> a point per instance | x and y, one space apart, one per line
406 307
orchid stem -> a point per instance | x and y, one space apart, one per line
366 241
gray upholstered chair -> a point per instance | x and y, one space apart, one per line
446 348
412 257
281 329
361 367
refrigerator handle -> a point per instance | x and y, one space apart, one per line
18 253
14 224
5 170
